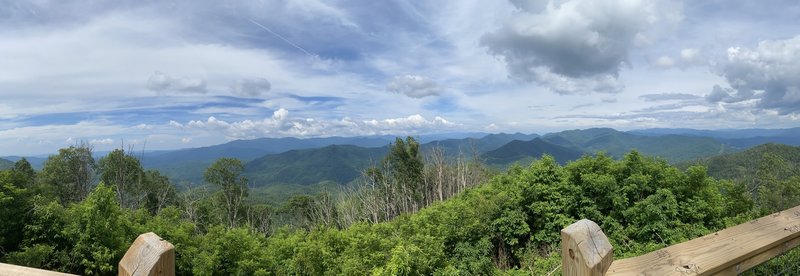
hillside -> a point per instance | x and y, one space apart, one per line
187 165
673 148
453 147
736 138
744 143
526 151
721 133
251 149
744 165
344 163
337 163
6 164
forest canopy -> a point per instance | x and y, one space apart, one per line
413 213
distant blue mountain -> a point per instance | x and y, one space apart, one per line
526 151
344 163
36 162
736 138
469 146
722 133
6 164
187 165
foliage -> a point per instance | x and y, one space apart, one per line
70 173
125 174
450 225
225 173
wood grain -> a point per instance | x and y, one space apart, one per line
725 252
15 270
585 249
148 255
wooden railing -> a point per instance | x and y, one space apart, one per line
9 270
148 255
586 250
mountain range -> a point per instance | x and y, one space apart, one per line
672 147
745 164
737 138
518 151
295 161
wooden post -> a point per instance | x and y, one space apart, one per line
585 250
148 255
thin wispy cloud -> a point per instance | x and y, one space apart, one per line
193 73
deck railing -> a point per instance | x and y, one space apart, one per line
148 255
586 250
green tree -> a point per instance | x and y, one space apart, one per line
24 169
159 191
99 231
124 172
15 202
70 173
405 162
89 237
777 189
226 173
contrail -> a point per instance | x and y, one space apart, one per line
282 38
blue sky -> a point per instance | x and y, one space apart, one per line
177 74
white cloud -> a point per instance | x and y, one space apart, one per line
281 123
106 141
414 86
574 46
175 124
664 62
686 58
160 82
251 87
767 74
690 55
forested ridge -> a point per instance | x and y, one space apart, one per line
413 212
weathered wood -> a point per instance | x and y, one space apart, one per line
15 270
760 258
725 252
148 255
585 249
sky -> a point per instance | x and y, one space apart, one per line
178 74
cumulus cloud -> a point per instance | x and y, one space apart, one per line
573 46
766 75
107 141
411 122
686 58
414 86
251 87
161 82
175 124
281 123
